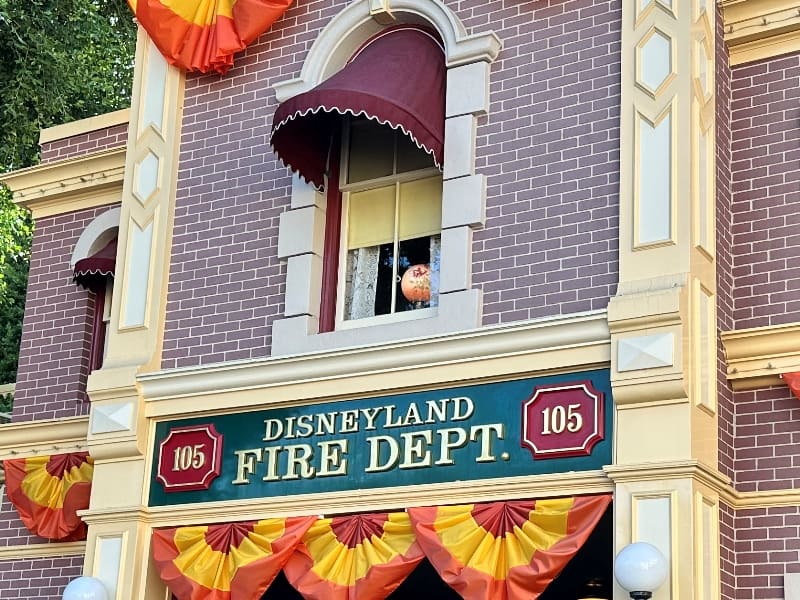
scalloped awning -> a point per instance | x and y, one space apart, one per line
397 78
88 271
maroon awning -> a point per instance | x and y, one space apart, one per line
92 270
397 78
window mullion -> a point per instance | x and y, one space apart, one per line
396 246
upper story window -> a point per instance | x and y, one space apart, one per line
390 244
96 274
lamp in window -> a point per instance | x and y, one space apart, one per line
416 284
640 569
85 588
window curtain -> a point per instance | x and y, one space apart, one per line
234 561
358 557
363 269
48 492
505 550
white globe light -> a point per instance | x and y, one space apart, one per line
640 567
85 588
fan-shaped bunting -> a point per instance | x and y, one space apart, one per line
203 35
48 492
354 557
505 550
234 561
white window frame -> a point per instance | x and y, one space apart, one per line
302 227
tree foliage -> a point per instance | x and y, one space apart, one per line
60 60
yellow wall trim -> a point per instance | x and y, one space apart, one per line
69 185
537 347
756 357
758 29
42 550
67 130
20 440
766 499
331 503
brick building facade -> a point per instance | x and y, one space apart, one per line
619 198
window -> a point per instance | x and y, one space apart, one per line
390 235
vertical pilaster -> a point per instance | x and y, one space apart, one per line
118 436
663 318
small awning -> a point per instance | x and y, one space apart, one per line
397 79
92 269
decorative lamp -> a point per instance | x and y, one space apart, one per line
641 569
416 284
85 588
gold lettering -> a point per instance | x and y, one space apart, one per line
375 443
246 464
437 411
370 414
483 433
463 408
332 459
271 458
273 429
415 455
451 439
299 457
349 421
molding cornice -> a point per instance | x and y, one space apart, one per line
694 469
549 345
69 185
83 126
51 550
20 440
756 357
758 29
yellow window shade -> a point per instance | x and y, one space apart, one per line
371 217
420 208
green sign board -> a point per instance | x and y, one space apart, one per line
523 427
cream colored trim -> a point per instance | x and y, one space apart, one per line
756 357
654 471
579 341
69 185
51 550
776 45
7 388
766 499
757 29
67 130
331 503
24 439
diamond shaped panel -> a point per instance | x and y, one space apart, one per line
145 178
654 58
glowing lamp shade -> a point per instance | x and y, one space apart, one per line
640 568
85 588
416 283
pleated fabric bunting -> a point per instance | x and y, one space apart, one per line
48 492
203 35
234 561
362 557
505 550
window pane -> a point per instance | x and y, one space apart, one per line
420 208
409 156
371 151
371 217
368 281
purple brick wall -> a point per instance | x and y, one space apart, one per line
766 186
79 145
550 150
38 578
767 546
727 552
767 440
56 330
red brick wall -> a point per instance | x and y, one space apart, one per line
54 352
549 150
727 552
766 187
38 578
94 141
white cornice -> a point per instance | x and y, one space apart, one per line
758 29
20 440
73 184
551 345
83 126
756 357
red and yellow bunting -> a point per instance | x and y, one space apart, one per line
48 492
234 561
203 35
354 557
505 550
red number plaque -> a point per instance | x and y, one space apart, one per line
190 458
563 420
